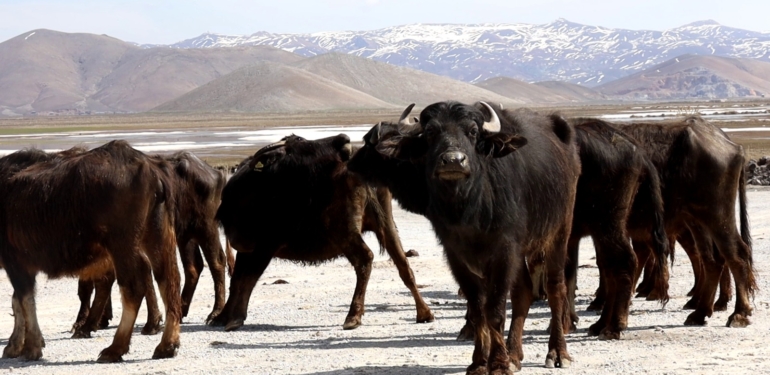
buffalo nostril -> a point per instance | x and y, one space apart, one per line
453 158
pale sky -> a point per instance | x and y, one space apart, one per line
169 21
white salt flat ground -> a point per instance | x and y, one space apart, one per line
296 328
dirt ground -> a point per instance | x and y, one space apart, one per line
296 328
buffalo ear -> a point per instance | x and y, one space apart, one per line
264 160
402 147
498 145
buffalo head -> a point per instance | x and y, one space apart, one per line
454 138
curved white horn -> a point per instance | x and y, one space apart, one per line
404 119
493 125
407 127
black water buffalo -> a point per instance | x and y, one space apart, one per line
295 200
198 191
498 188
82 214
618 195
702 173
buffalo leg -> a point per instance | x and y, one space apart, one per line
26 340
498 284
154 317
521 300
166 274
644 264
132 281
620 262
471 287
361 257
192 264
249 267
107 315
396 251
216 258
725 291
599 296
16 341
737 256
103 286
570 275
85 289
712 269
557 299
693 252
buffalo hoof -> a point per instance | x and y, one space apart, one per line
12 351
695 320
476 370
738 321
608 334
105 322
556 360
642 294
165 351
152 329
32 354
218 321
721 305
352 322
81 334
425 317
110 355
76 326
692 304
214 314
502 371
595 329
233 325
595 305
466 333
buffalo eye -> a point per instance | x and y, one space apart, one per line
473 132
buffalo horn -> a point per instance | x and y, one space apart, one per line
375 137
406 127
493 125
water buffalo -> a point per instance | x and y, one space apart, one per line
497 188
702 173
295 200
618 195
79 215
198 189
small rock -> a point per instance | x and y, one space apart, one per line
412 253
279 281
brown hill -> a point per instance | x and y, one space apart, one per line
529 92
395 84
571 90
150 77
271 87
695 76
46 70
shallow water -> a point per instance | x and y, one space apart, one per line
205 142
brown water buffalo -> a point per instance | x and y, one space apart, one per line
198 189
80 215
295 200
496 188
702 173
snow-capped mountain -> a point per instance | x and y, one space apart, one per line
561 50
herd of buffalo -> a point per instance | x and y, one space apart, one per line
509 194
